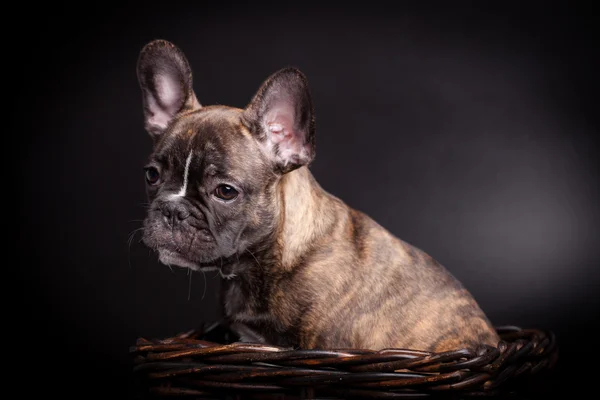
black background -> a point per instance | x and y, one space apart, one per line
466 130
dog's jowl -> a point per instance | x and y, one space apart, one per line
230 190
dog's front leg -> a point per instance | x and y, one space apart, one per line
246 334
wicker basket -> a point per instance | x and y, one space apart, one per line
205 364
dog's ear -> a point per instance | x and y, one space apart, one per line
281 116
165 78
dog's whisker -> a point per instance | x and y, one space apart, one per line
253 256
129 241
132 235
190 284
204 291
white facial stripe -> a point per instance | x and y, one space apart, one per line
186 172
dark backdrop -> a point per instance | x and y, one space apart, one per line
466 131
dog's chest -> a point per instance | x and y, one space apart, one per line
252 319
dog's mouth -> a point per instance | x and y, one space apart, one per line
196 250
224 264
187 247
169 258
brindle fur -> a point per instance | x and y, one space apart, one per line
307 270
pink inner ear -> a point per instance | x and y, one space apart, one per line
280 123
167 101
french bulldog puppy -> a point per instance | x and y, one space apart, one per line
230 190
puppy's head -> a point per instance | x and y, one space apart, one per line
211 178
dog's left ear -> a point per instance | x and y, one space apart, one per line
281 116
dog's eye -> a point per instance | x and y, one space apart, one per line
152 175
226 192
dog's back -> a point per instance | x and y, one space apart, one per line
359 286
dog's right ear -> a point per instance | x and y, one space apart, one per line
165 78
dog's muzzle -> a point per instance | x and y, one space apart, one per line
174 212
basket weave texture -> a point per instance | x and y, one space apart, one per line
190 366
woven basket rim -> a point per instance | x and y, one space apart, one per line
188 365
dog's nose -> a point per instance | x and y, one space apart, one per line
175 211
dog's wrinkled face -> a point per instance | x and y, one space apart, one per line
210 188
211 178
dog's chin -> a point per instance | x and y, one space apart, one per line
170 258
